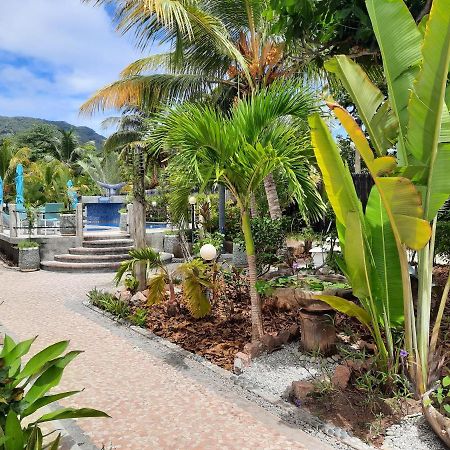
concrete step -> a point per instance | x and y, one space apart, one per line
105 236
88 258
99 250
76 267
108 243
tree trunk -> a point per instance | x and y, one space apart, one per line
253 206
272 197
221 208
256 311
139 213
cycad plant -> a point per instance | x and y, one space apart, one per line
414 120
194 277
260 135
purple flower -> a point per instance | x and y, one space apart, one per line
297 403
296 265
403 353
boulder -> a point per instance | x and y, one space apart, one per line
301 389
341 376
241 362
254 349
125 296
138 299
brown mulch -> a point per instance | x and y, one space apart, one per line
353 411
217 337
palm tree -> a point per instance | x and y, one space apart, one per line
222 47
10 156
260 135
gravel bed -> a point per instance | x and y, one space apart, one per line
276 372
412 432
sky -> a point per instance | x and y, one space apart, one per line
54 54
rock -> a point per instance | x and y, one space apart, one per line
284 299
138 298
145 293
125 296
341 376
119 291
271 342
254 349
300 389
284 336
241 362
294 332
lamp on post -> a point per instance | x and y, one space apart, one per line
208 252
192 201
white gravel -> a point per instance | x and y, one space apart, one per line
275 372
412 432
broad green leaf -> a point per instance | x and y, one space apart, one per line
71 413
356 259
385 255
336 176
376 114
156 288
400 197
14 432
38 361
50 377
428 136
22 348
346 307
446 381
399 40
43 401
8 345
35 439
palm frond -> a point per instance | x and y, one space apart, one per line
151 258
156 288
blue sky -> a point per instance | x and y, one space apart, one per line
54 54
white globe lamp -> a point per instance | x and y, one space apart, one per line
208 252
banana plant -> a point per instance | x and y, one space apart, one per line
25 390
414 120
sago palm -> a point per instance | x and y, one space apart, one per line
240 149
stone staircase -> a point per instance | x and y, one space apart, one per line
99 253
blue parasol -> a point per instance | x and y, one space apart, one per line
1 195
72 194
19 189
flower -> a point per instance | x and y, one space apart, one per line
403 353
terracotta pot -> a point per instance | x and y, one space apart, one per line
318 333
438 422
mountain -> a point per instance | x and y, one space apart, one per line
13 125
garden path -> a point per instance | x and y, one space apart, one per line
155 402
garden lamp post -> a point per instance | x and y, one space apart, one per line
208 252
192 201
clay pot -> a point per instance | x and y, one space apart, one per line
318 333
439 423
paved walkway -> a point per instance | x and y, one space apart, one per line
154 402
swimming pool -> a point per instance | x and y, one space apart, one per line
112 226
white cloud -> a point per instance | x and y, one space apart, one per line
56 54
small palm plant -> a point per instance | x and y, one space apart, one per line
194 275
260 135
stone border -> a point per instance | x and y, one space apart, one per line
329 429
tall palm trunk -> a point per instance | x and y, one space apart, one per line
253 206
256 310
272 197
139 213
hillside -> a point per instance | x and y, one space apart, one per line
13 125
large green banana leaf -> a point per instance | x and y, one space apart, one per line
336 176
399 195
399 40
385 254
428 136
376 113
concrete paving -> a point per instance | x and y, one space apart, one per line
156 400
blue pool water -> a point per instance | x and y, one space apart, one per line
112 226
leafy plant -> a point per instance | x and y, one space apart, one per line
131 283
139 317
109 303
194 274
442 245
28 244
24 391
441 396
215 239
415 117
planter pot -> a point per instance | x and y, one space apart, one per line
439 423
239 255
318 333
68 224
123 224
172 245
29 259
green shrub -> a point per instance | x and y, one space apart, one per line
24 390
109 303
215 239
442 243
27 244
441 396
139 317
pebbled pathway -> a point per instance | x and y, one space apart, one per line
156 401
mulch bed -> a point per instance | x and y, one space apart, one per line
217 337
